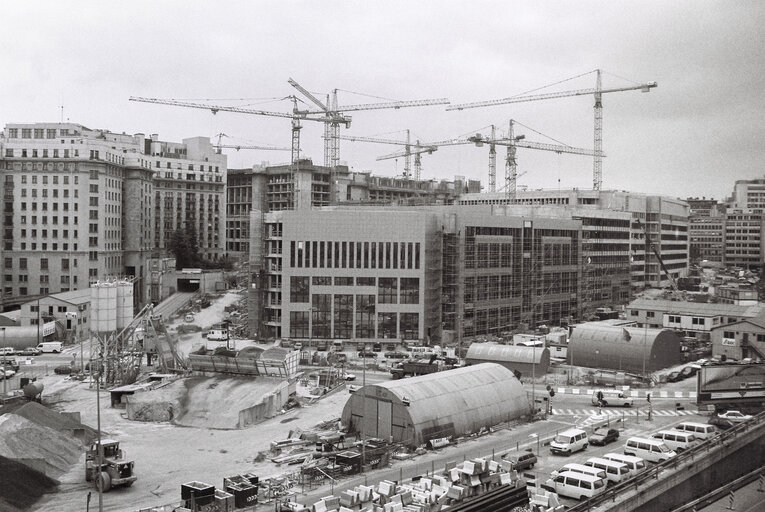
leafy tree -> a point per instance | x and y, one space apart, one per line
185 247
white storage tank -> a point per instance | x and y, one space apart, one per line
124 303
104 306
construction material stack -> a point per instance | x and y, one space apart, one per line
483 481
244 488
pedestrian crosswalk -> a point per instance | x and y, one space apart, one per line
618 412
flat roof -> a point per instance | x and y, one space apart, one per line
696 308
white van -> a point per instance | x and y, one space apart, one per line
615 471
612 398
50 346
218 334
580 468
636 465
576 485
676 440
651 450
569 441
421 351
699 430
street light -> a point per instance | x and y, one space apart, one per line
5 386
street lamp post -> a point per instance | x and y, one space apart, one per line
5 390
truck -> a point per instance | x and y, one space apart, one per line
114 469
50 346
413 367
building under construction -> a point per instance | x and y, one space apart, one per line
417 273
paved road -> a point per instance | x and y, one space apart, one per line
571 410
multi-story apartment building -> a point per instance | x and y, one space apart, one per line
82 204
428 273
664 220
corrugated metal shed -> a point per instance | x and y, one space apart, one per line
512 357
597 345
442 404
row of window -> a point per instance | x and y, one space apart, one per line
8 263
330 254
390 290
337 318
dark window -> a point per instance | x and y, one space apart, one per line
299 289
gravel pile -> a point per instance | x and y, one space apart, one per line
20 486
45 448
46 417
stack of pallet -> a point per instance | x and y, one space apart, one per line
458 484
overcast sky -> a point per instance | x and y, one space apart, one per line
701 129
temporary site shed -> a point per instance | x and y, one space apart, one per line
598 345
527 360
442 404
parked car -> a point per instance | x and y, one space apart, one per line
735 416
7 373
522 461
367 353
30 351
7 351
603 435
674 377
350 376
721 423
63 369
10 362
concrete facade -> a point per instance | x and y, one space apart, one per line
664 219
418 273
85 204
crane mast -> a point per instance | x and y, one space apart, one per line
335 116
513 142
597 92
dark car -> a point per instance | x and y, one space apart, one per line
721 423
367 353
522 461
602 436
674 377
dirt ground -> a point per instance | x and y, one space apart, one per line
167 455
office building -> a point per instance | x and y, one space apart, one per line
414 273
82 204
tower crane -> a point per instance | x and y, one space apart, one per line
408 145
419 148
218 147
597 92
296 116
334 116
513 142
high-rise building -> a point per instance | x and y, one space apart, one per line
81 204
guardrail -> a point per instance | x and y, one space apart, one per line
672 464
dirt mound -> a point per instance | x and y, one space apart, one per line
37 446
20 486
215 402
46 417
